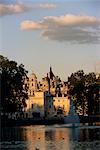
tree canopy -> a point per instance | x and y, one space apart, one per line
85 90
13 88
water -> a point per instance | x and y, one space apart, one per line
54 137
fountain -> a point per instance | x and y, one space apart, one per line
72 117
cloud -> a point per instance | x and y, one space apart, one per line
45 6
11 8
67 28
28 24
70 35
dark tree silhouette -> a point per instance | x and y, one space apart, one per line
85 90
92 93
13 88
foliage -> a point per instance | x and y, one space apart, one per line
92 93
85 90
13 88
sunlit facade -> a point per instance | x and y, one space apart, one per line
48 97
35 105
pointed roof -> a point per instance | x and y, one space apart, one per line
51 73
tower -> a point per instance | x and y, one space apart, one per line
32 84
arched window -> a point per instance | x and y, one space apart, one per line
30 92
32 106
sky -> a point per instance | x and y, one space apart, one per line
64 34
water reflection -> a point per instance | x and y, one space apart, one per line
55 137
58 138
89 134
35 136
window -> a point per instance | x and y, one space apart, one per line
32 84
53 84
49 100
50 106
30 92
32 79
32 106
61 85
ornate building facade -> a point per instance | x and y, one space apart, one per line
48 97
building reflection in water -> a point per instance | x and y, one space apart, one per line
44 139
49 138
74 133
34 137
57 137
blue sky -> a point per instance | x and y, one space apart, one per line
39 33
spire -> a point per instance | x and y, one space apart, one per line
50 68
48 79
51 73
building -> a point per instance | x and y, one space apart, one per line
48 104
61 105
32 84
48 97
35 105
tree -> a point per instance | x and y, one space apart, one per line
77 89
92 93
13 88
85 90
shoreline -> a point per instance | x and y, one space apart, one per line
45 121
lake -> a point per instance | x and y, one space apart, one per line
51 137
